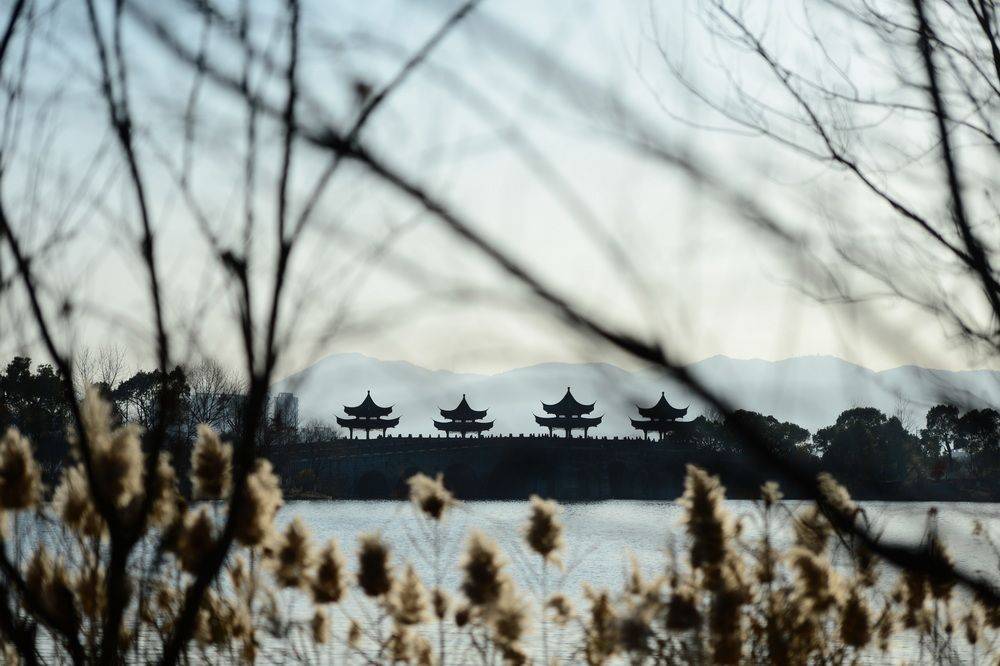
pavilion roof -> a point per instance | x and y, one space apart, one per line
368 423
463 412
656 426
463 426
367 409
662 410
568 421
568 406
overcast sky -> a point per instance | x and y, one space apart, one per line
535 163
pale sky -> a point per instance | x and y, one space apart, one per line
379 276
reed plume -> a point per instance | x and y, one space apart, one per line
166 504
75 506
483 569
20 476
374 573
211 465
816 581
812 530
261 500
726 635
320 626
544 532
939 583
706 519
329 585
115 452
601 630
855 621
770 494
196 539
293 555
509 621
430 496
49 585
682 609
562 609
409 602
441 602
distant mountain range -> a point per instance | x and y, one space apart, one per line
810 391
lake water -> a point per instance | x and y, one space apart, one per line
603 537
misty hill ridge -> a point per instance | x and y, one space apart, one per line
808 390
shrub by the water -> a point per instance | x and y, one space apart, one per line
721 599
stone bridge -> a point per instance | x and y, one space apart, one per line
505 467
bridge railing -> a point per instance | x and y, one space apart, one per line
404 443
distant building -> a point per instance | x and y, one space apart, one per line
463 420
286 411
661 418
234 410
568 415
367 416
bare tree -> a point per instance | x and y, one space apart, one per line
104 367
259 298
898 102
213 388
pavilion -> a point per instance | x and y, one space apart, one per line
463 420
661 418
568 415
367 416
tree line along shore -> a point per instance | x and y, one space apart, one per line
956 454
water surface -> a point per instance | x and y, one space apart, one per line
603 537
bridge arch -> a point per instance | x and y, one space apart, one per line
402 488
523 473
462 481
619 479
372 485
